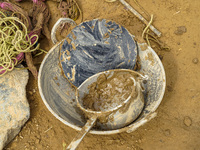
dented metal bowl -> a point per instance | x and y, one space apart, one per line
59 96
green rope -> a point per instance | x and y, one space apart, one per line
14 39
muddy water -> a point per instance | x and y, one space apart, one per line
107 93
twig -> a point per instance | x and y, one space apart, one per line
150 37
48 130
29 62
80 11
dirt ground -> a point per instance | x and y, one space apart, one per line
177 126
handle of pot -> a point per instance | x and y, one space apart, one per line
141 79
77 140
57 24
141 122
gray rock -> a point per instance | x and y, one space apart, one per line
14 107
180 30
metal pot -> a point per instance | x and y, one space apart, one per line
58 95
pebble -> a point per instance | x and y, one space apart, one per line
139 141
122 142
180 30
161 57
27 144
187 121
37 141
167 132
109 142
169 88
30 92
38 136
195 61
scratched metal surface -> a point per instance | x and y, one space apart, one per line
58 95
96 46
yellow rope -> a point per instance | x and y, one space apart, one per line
149 37
150 22
14 39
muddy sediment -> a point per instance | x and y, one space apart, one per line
107 93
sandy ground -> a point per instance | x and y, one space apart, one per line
177 126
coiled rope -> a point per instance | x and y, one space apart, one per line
14 40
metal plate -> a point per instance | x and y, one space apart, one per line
95 46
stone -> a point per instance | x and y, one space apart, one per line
34 90
195 61
187 121
169 88
161 57
14 107
30 92
37 141
180 30
167 132
139 141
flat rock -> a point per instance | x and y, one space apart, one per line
187 121
14 107
180 30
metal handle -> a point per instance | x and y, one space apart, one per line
77 140
57 24
141 79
